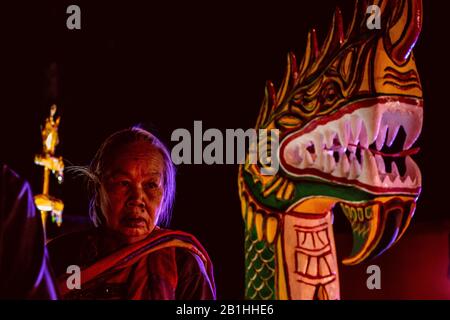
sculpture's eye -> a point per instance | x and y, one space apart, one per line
330 94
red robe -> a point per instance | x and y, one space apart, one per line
167 265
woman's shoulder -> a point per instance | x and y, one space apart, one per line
190 255
176 234
185 246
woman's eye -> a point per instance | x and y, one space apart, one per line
124 183
151 185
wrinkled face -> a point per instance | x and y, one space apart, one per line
133 184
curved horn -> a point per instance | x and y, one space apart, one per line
405 29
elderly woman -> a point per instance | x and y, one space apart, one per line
128 255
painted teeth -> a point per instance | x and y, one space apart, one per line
380 164
372 123
344 133
369 168
381 137
392 134
363 137
343 166
355 168
378 124
356 123
412 129
308 161
318 141
394 172
330 164
413 171
329 138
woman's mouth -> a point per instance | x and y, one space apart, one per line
134 222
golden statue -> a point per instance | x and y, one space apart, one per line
45 202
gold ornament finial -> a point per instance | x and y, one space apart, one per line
50 139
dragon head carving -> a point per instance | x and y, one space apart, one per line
348 115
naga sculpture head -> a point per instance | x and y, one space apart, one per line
348 115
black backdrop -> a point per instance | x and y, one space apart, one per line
165 65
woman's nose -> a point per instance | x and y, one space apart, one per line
136 198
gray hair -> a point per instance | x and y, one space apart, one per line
96 170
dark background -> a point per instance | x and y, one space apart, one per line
166 65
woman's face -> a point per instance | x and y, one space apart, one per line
133 184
